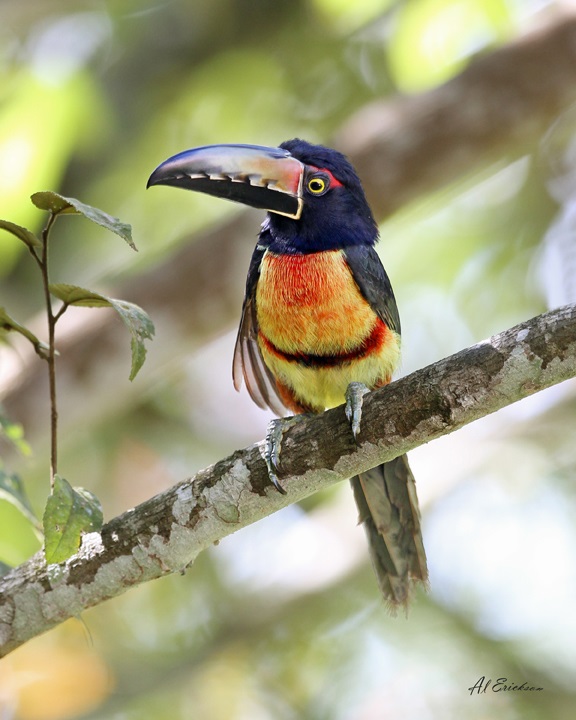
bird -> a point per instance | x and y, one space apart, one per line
319 324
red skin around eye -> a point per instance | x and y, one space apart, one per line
333 181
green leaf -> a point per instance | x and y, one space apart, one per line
136 320
141 328
60 205
12 490
74 295
21 233
70 512
8 323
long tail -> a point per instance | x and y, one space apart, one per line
388 505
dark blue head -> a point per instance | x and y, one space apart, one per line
314 197
335 212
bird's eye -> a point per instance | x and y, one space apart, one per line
318 184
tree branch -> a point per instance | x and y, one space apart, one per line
165 534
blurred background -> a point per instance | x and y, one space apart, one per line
283 619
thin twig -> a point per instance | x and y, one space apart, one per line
51 359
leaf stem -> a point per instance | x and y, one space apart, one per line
61 312
51 358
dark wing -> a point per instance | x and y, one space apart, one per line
248 363
370 276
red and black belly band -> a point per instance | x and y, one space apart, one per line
371 344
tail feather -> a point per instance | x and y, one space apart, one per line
388 505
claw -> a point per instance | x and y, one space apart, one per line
273 446
273 441
354 400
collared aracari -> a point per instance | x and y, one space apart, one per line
319 319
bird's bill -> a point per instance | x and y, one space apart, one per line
263 177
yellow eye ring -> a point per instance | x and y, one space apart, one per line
317 185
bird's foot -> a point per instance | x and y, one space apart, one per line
273 446
354 400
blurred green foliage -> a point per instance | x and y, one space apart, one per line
283 620
433 39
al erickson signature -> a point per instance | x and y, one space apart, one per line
501 685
